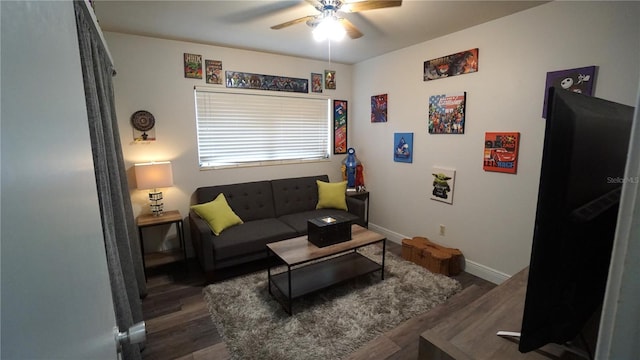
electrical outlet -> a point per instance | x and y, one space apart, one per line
442 229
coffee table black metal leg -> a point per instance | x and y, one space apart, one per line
289 295
269 270
384 247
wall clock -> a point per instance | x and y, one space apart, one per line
143 121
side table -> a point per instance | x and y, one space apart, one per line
168 217
364 196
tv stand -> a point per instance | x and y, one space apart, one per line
579 352
470 333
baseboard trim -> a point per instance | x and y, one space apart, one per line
471 267
484 272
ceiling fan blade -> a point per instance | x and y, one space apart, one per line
316 4
351 29
369 5
293 22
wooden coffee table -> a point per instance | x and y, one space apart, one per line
310 268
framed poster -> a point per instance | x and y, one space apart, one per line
501 151
443 184
330 79
379 108
403 147
578 80
237 79
339 126
447 113
316 83
192 66
464 62
213 71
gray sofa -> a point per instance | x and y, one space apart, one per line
272 210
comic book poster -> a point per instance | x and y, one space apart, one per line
330 79
403 147
339 126
379 108
442 185
192 66
501 151
316 83
464 62
446 113
236 79
213 71
578 80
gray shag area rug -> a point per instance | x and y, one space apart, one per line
329 324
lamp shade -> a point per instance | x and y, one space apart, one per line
153 175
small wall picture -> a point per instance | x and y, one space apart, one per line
501 151
379 108
316 83
213 71
403 147
192 66
580 80
447 113
464 62
443 184
330 79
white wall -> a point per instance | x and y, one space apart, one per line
491 219
150 77
492 216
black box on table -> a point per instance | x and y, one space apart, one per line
329 230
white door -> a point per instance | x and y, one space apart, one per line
55 300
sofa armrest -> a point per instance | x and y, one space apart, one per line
202 241
357 207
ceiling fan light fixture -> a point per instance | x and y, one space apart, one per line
329 28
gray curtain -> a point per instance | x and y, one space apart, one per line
120 233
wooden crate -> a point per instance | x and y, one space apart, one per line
434 257
407 248
455 264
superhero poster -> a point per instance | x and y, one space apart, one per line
379 108
192 66
339 126
464 62
316 83
446 113
501 151
214 71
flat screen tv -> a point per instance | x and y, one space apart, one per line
583 161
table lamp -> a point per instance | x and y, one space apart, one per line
151 176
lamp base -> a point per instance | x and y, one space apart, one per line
157 207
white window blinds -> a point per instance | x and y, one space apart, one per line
259 129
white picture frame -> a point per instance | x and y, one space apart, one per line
442 184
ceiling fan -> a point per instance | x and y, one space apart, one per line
330 10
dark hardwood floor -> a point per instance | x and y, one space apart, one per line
179 325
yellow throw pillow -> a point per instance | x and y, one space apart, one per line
218 214
332 195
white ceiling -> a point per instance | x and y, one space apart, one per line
245 24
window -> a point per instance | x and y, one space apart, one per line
236 129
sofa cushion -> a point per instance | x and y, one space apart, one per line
217 214
250 201
296 195
332 195
251 237
299 221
